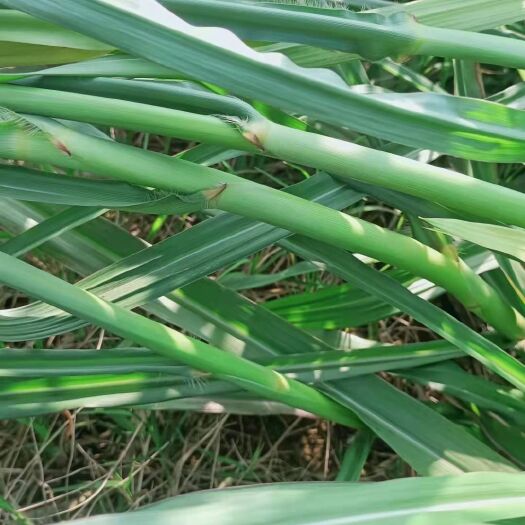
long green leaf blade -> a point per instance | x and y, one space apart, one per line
463 500
438 320
498 238
273 78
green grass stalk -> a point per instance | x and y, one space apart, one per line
170 343
342 159
370 35
67 148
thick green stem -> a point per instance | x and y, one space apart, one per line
371 35
464 128
478 47
67 148
163 340
359 236
349 161
124 114
345 160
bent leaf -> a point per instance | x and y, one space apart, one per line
492 236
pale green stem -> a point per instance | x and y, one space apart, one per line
371 35
342 159
349 162
231 193
163 340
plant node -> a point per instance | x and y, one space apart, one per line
210 195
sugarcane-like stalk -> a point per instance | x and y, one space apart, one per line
167 40
371 35
346 161
64 147
170 343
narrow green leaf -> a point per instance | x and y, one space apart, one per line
390 417
40 186
52 227
492 236
24 29
355 457
118 64
452 380
136 376
462 500
471 15
309 366
13 54
438 320
27 41
242 281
